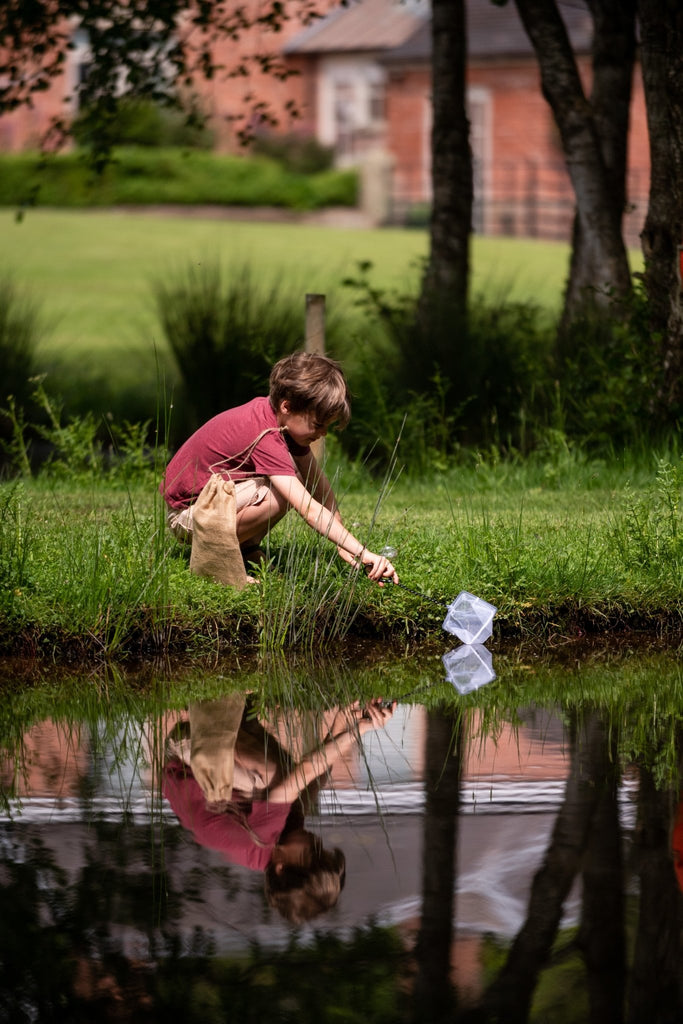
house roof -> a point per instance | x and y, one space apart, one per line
401 29
362 25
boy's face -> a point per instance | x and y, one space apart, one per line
303 427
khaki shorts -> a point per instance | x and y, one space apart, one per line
247 492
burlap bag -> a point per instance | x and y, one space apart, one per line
214 725
215 548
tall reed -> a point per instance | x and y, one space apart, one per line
313 598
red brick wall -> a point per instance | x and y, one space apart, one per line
26 127
408 126
524 185
525 188
225 96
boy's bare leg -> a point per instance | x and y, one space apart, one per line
254 521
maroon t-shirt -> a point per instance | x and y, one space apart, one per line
245 838
223 445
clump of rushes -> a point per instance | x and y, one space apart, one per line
313 597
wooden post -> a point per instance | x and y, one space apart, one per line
315 343
315 324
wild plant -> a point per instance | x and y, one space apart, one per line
17 446
73 448
21 328
308 596
16 565
610 373
73 445
648 530
474 377
226 328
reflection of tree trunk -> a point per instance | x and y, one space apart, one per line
509 997
655 992
601 936
433 991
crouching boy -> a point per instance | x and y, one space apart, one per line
264 448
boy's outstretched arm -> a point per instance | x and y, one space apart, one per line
316 482
374 715
328 524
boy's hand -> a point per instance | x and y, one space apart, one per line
376 714
379 568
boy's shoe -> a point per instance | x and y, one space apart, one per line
253 556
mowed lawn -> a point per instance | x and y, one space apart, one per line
93 270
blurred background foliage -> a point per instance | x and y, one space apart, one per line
496 380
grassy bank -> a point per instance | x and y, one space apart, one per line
562 546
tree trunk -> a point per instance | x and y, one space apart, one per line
614 46
661 29
601 935
434 996
604 269
446 278
508 998
655 992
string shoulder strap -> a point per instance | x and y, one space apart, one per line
244 454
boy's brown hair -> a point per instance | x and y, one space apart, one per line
299 894
311 383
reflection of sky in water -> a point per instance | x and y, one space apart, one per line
142 884
511 787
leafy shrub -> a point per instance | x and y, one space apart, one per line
226 328
300 153
72 447
610 373
140 175
140 122
477 379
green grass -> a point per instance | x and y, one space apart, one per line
562 549
93 269
93 272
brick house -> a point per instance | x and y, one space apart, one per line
363 86
370 65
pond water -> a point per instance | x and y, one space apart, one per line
289 843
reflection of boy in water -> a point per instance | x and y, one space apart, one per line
251 812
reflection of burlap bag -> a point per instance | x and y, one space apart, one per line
214 725
215 548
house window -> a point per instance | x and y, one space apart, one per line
80 61
376 102
478 112
344 115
